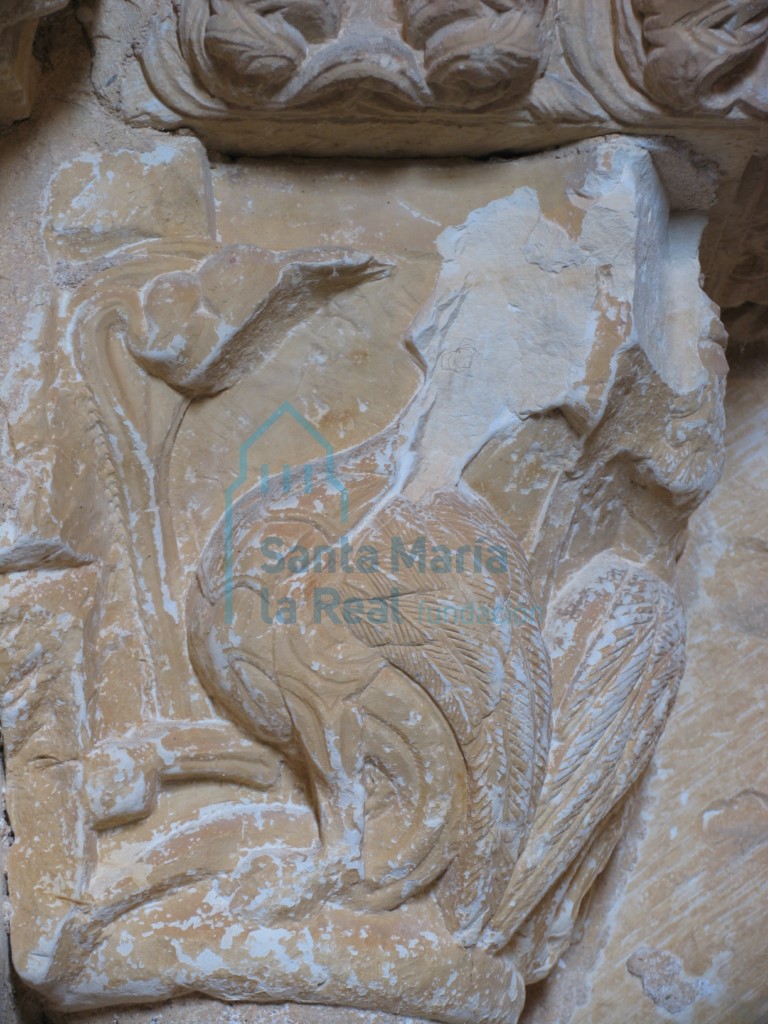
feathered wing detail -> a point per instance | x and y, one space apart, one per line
488 674
616 635
549 929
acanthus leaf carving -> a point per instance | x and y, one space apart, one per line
364 79
690 55
265 56
243 50
476 52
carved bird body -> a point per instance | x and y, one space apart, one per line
518 762
431 653
422 728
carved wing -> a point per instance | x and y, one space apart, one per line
489 679
618 673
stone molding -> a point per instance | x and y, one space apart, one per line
446 77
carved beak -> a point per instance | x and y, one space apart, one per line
207 353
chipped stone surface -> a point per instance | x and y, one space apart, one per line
202 1011
663 979
507 357
691 878
208 829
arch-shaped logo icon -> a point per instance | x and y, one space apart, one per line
288 474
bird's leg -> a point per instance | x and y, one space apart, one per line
338 794
124 774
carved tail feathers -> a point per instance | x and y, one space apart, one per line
489 679
616 635
549 930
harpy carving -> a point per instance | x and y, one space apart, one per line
412 708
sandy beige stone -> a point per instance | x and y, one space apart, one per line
289 774
679 928
18 69
513 350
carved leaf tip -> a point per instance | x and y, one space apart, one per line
30 553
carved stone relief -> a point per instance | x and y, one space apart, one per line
675 929
327 691
231 55
689 55
367 78
18 23
343 501
671 65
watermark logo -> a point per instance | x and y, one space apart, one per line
290 476
413 562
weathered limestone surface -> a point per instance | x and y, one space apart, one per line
18 69
257 781
387 813
712 944
200 1011
677 927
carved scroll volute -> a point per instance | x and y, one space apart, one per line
690 55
